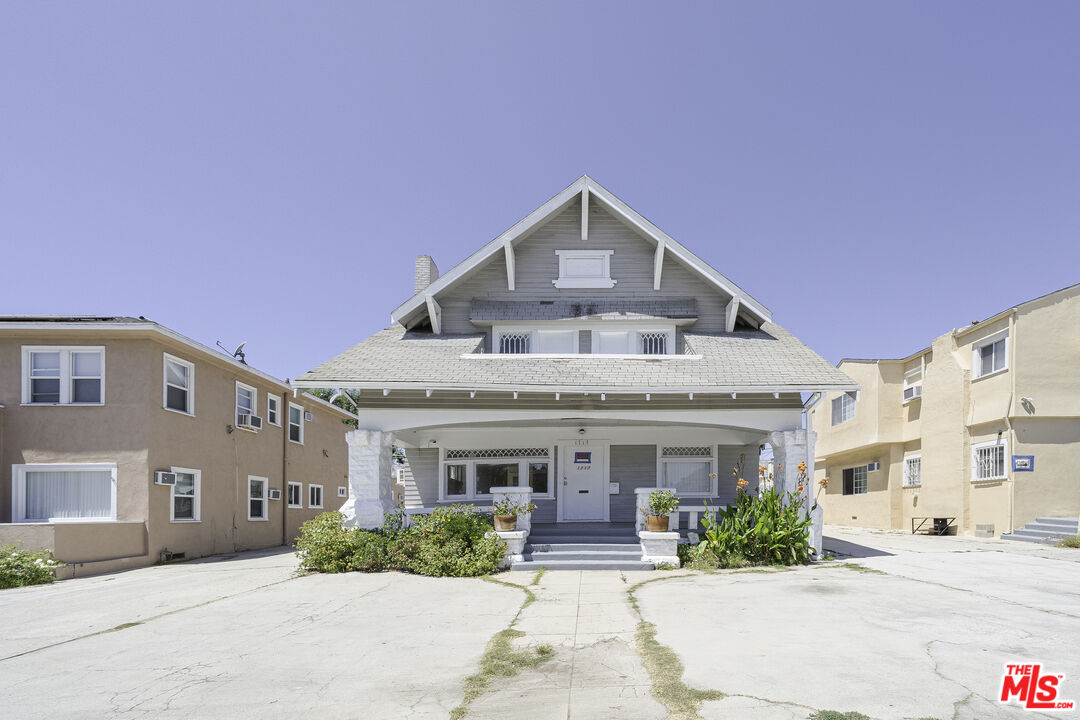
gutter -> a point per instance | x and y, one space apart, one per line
578 389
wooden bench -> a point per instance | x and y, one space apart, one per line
940 525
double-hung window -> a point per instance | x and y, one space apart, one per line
63 375
296 495
689 470
179 385
843 408
855 480
991 356
273 409
470 474
257 497
315 496
913 471
296 424
247 402
185 495
59 493
988 461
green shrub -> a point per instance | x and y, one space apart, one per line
1070 542
767 529
451 541
19 568
661 502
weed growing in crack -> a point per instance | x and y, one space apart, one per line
499 660
861 568
539 574
682 701
836 715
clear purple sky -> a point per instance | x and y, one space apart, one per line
875 174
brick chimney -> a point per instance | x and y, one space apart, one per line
426 273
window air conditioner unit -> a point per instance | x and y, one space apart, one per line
910 393
275 494
164 477
249 421
873 466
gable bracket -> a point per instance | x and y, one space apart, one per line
508 248
730 314
434 314
658 264
584 214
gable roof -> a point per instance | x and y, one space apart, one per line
584 184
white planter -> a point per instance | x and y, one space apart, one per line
659 548
515 546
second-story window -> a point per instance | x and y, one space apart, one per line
64 375
991 357
179 385
514 342
273 409
654 343
843 408
296 423
246 403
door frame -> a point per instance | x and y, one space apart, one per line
601 446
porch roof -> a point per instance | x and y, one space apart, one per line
486 311
766 360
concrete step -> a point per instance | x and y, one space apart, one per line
582 532
1063 530
1068 523
582 540
576 546
532 566
1027 538
1027 531
634 554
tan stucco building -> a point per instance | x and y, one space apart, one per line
122 441
982 426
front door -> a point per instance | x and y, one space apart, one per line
583 472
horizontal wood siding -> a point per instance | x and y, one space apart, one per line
632 466
425 471
727 456
537 266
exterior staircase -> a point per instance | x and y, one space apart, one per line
582 546
1045 530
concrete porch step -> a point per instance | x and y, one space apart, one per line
556 555
535 539
534 565
627 547
1028 538
1050 528
1067 523
1028 531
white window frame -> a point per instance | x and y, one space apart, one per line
300 494
66 376
976 355
855 479
599 280
276 400
470 474
254 402
198 496
165 360
907 471
300 424
342 491
1004 445
265 498
311 491
832 408
909 383
711 459
18 490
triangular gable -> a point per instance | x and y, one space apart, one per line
580 187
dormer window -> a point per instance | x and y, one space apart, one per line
514 342
584 269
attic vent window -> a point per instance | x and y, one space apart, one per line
584 269
514 343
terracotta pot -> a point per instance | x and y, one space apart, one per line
656 523
506 523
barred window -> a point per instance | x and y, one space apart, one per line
913 471
497 453
514 343
654 343
989 462
699 451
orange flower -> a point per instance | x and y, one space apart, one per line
801 488
802 466
824 482
742 483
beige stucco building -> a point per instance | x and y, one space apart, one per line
121 440
982 426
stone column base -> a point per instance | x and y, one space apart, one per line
659 548
515 546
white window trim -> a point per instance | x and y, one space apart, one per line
909 384
18 491
711 459
277 399
585 281
342 491
904 478
854 492
1005 464
470 475
289 423
976 359
236 403
322 498
634 334
198 496
294 484
265 498
165 360
854 399
65 373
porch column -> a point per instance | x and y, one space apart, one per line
791 447
371 492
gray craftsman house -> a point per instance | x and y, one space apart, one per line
583 354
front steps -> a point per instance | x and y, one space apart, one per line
1045 530
585 546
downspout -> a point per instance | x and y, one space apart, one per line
1011 342
284 403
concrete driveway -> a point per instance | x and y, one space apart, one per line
244 637
923 632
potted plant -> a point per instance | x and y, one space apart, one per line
507 510
661 503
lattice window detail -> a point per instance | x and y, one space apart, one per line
702 451
514 343
497 453
654 343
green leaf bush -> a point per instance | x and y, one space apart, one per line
767 529
456 541
19 568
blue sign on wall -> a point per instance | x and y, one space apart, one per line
582 457
1023 463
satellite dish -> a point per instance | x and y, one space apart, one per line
237 353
